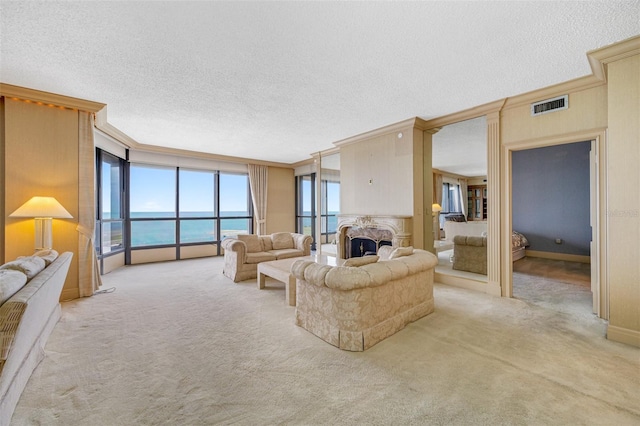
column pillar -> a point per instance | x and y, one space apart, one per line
494 212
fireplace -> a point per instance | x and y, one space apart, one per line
359 235
364 241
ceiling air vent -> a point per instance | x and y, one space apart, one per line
550 105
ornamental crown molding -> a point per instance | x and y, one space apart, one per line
411 123
600 58
49 99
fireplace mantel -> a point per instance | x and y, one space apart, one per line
399 226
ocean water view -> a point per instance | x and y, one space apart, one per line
199 227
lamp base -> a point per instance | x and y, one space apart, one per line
44 235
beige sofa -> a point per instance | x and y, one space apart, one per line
358 304
30 290
470 254
242 254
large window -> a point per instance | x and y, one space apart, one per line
451 202
235 205
109 236
197 206
306 206
173 206
451 198
141 206
306 211
153 205
330 210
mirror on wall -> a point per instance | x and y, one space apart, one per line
329 201
459 165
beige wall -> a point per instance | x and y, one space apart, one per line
41 158
587 110
376 176
383 174
623 190
281 203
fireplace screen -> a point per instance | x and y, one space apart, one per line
366 241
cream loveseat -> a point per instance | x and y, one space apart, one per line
358 304
242 254
30 290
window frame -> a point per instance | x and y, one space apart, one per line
100 221
300 216
180 219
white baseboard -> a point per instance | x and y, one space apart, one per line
558 256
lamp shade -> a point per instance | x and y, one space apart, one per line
47 207
436 207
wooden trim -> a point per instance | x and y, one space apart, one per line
599 58
623 335
412 123
112 131
302 163
598 134
581 135
464 115
456 176
558 256
567 87
467 283
116 134
206 156
49 99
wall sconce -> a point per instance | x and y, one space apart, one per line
43 210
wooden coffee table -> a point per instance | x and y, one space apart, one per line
280 270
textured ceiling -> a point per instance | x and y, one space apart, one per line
278 81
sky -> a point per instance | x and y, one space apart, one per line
153 189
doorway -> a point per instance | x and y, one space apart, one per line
555 202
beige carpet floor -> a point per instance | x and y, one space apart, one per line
179 344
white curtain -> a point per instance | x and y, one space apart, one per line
463 196
258 183
88 271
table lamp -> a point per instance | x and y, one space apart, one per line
43 210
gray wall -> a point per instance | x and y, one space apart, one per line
551 197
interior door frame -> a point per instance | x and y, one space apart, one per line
599 281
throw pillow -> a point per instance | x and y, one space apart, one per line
10 282
48 255
401 251
359 261
252 242
282 240
384 252
30 266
